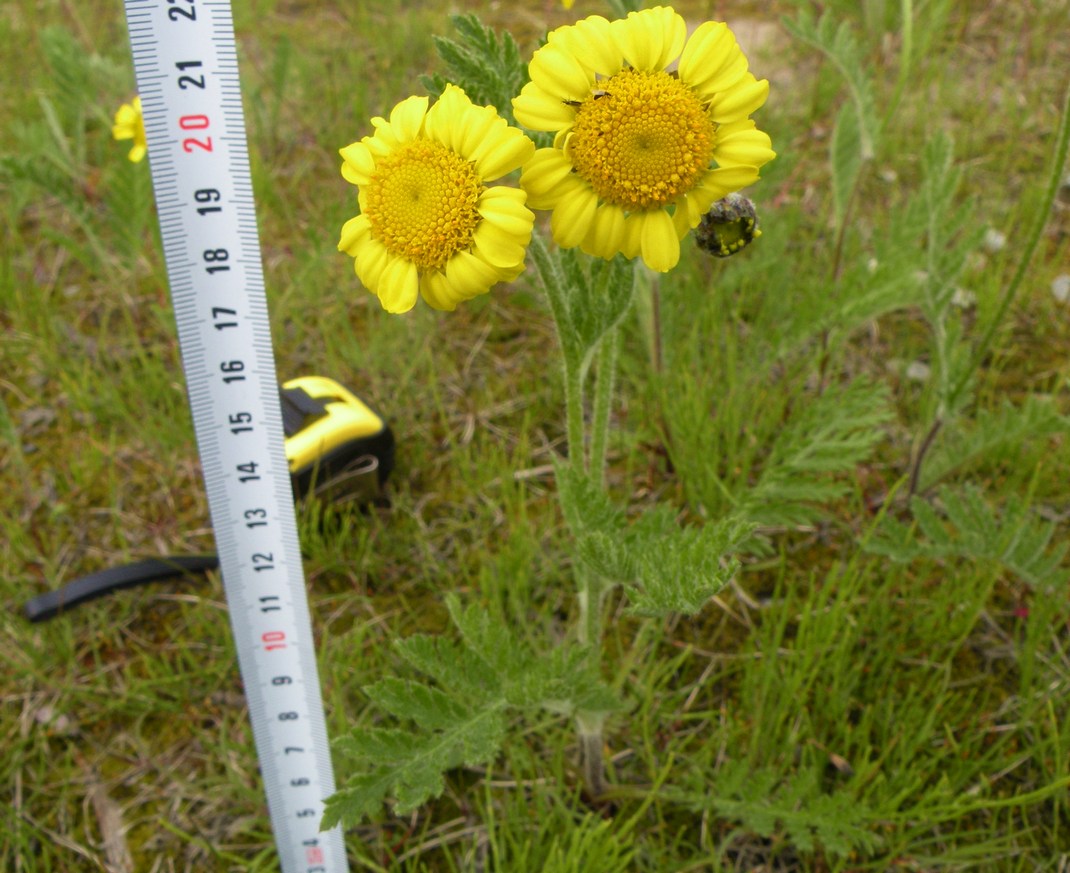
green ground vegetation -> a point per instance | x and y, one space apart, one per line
885 684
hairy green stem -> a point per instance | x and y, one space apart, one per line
608 353
589 728
591 588
557 294
574 417
906 57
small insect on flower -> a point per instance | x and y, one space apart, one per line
651 127
729 227
129 124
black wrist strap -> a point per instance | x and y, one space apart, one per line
52 603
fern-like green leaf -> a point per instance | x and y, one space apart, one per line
809 817
991 435
828 438
460 717
968 527
663 567
486 65
838 44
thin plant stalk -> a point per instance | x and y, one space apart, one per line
603 398
591 588
1043 212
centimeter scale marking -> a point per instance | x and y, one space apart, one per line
185 58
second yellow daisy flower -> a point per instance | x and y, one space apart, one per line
429 225
651 129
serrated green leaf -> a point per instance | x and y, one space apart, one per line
361 797
766 804
586 507
838 44
821 443
487 66
462 719
429 707
970 528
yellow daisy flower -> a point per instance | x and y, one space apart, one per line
652 128
428 223
130 125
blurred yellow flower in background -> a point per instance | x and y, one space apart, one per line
130 125
428 223
651 129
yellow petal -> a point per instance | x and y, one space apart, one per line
504 150
399 286
633 236
537 110
407 116
545 175
354 233
739 101
457 123
606 235
358 163
370 265
660 243
591 42
682 217
650 39
723 181
469 276
559 73
504 209
497 249
437 293
573 216
712 60
748 147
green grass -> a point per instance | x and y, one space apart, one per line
835 710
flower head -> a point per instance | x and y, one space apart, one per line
651 128
130 125
428 223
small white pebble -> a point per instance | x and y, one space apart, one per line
963 299
994 240
917 371
1060 287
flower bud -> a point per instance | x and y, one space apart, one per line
729 226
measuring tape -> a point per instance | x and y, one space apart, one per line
185 58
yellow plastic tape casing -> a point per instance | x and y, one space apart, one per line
348 420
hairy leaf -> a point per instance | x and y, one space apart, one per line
967 527
827 438
486 65
839 45
1005 429
458 718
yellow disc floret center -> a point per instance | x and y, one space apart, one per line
642 140
422 203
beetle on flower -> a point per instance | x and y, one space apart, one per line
652 127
